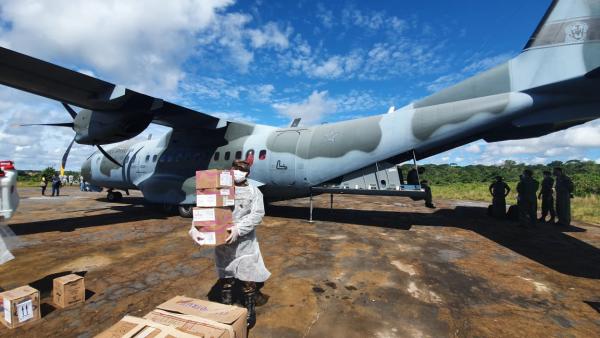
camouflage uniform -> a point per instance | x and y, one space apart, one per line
564 188
527 189
547 198
499 190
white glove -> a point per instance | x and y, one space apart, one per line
196 235
233 235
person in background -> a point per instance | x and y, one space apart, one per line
56 183
412 178
499 190
547 196
527 201
81 183
564 192
239 262
43 185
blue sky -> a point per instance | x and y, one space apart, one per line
268 62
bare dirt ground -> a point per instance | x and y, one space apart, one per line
369 267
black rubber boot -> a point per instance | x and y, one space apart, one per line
250 302
227 291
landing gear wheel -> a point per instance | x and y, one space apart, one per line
114 196
111 196
186 211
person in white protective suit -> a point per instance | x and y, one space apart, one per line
239 262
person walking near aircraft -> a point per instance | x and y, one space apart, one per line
499 190
547 196
564 192
43 185
56 182
527 200
412 178
240 261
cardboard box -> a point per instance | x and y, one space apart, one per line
202 217
20 306
210 179
134 327
201 318
215 197
68 290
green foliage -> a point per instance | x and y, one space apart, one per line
585 175
33 178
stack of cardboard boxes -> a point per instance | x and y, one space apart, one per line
183 317
215 199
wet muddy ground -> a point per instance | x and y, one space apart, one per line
369 267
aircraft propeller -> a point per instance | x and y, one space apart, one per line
72 125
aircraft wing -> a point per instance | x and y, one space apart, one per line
49 80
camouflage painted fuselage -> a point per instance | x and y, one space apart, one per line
550 86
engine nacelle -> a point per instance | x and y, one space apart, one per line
104 127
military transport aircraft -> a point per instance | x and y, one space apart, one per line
551 85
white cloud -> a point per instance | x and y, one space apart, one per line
231 32
371 20
473 148
311 110
138 44
203 88
598 161
325 16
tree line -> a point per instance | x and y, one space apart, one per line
585 174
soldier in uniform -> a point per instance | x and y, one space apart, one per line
499 190
412 178
564 190
547 196
527 189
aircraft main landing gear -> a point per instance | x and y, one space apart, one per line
114 196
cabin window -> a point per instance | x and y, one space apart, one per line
250 155
147 158
154 158
216 158
262 155
227 156
238 155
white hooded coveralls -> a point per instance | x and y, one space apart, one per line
242 259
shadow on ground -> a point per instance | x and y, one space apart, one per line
545 244
135 211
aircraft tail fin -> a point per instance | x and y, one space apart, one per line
565 45
567 22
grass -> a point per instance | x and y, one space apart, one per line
583 208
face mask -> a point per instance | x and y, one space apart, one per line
239 176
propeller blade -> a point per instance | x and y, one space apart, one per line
63 164
66 124
70 110
108 156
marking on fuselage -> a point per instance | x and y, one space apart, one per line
280 165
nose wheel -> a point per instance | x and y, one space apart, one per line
114 196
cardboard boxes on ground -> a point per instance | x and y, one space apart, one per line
213 215
20 306
134 327
68 290
184 317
